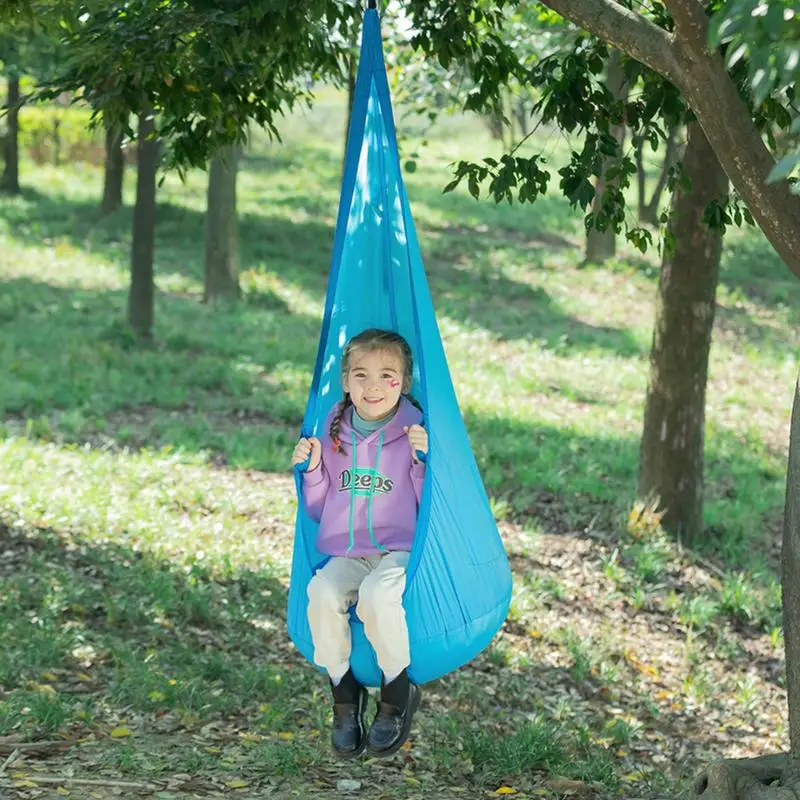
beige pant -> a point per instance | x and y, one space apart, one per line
377 583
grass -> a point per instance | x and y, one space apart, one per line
146 510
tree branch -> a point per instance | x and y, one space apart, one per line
691 22
627 31
700 74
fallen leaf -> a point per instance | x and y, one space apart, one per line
505 790
237 783
633 776
120 733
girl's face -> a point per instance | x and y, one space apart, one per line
374 381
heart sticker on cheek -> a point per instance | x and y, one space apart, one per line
394 384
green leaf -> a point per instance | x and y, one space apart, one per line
736 55
784 167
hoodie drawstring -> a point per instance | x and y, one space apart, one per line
374 472
371 492
352 495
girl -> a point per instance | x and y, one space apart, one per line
363 486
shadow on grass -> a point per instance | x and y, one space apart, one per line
563 481
231 385
191 656
145 633
751 266
466 283
68 350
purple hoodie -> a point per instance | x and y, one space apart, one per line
366 498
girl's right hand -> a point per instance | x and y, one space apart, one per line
306 447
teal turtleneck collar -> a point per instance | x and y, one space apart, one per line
364 427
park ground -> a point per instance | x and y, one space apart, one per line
146 508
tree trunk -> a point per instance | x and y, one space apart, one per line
222 234
10 180
683 57
671 457
790 578
56 142
523 115
748 779
114 172
494 121
648 211
140 297
601 242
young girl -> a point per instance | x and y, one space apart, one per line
363 486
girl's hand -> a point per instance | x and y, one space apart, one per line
418 439
306 447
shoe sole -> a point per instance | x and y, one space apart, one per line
363 702
413 705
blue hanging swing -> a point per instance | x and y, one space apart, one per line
458 585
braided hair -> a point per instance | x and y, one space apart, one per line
372 339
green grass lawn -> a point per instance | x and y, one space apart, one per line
146 507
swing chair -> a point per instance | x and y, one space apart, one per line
458 585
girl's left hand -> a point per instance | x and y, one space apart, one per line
418 439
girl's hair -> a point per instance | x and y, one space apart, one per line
373 339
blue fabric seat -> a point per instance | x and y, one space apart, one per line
459 581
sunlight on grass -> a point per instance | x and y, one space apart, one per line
158 503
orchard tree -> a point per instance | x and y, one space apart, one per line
114 172
671 39
222 234
24 51
675 45
9 180
140 294
203 73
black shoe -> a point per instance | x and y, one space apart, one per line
390 729
349 734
